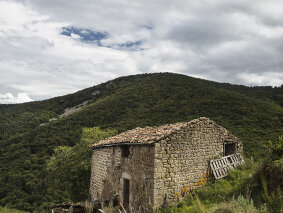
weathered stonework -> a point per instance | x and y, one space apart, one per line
109 169
181 160
162 167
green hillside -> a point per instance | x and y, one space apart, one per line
254 114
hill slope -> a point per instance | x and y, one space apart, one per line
255 115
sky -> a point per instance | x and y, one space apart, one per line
50 48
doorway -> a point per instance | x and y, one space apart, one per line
126 193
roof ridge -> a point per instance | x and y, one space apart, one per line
146 135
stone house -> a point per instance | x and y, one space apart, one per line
150 167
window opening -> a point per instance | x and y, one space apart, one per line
229 149
125 149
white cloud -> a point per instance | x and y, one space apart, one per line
267 78
9 98
75 36
228 41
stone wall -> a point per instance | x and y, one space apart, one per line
109 168
182 159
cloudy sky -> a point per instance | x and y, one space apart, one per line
55 47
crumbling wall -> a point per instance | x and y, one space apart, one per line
109 168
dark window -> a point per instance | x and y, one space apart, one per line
125 149
126 193
230 148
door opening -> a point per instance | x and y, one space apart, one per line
126 193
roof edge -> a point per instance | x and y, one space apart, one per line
120 144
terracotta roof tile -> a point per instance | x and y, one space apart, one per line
146 135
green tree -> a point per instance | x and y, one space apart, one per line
276 148
69 167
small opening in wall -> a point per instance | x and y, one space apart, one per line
230 148
125 150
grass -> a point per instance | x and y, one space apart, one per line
7 210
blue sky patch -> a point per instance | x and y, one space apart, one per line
90 36
86 35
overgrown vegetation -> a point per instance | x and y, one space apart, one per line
69 167
7 210
254 114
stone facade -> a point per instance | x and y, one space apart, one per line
109 170
181 160
159 171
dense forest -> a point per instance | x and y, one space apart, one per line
28 139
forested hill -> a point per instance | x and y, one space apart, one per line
254 114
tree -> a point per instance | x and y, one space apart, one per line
69 167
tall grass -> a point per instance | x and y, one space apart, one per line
274 198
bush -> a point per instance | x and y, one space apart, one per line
274 198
